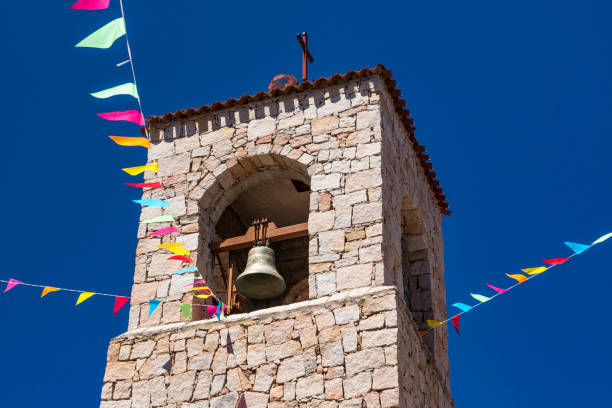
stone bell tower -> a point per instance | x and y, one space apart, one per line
355 217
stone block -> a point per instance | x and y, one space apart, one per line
260 128
324 124
326 283
347 314
264 377
174 165
309 386
224 401
364 360
357 385
363 180
181 387
332 354
320 221
325 182
364 213
119 370
385 377
354 276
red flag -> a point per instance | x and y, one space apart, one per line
455 320
555 261
180 258
120 301
145 185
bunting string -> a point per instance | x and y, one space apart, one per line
129 50
121 300
531 272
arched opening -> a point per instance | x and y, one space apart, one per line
417 270
276 188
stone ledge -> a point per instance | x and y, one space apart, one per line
277 312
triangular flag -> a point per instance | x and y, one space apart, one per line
534 271
153 305
577 248
480 298
455 321
119 302
219 311
462 306
179 258
195 283
602 239
152 202
242 402
498 290
202 296
131 141
11 284
204 289
171 245
179 251
48 290
84 296
520 278
90 5
125 89
134 171
163 231
161 218
555 261
182 271
186 309
423 332
157 184
211 310
104 37
434 323
129 116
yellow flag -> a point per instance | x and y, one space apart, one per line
131 141
48 290
201 296
434 323
133 171
170 245
534 271
84 296
179 251
520 278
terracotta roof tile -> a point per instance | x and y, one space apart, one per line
380 70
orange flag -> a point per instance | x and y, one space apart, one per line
131 141
48 290
520 278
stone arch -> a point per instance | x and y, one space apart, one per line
218 190
417 268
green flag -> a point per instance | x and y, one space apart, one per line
480 298
104 37
125 89
186 309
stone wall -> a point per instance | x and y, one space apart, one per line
342 350
329 138
413 248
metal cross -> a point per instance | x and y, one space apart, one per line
306 57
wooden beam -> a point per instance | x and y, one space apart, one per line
274 234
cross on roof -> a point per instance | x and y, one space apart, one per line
306 57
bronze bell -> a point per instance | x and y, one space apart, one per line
260 279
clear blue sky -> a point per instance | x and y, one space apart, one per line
512 100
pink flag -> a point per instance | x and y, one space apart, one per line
119 302
498 290
196 282
11 284
212 310
130 116
555 261
90 5
167 230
